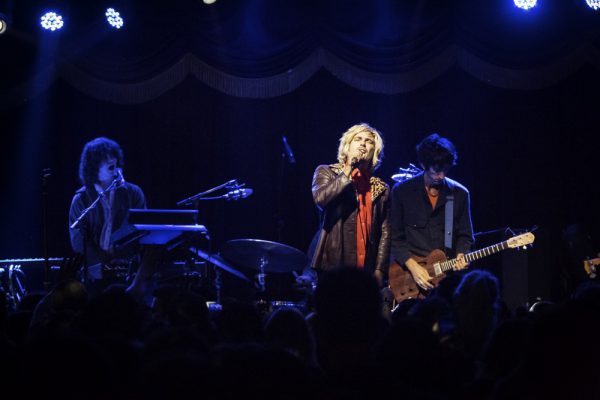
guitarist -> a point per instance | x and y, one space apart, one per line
418 211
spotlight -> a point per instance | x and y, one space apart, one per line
114 18
594 4
525 4
51 21
5 18
209 1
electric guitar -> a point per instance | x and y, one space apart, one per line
404 287
590 266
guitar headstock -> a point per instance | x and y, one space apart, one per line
521 240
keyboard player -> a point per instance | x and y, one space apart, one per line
100 171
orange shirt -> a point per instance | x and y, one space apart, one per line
432 199
362 183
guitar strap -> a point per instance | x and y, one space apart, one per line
449 222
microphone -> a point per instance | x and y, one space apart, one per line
119 178
238 193
288 151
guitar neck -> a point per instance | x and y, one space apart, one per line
475 255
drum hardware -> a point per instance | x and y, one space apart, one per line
220 263
266 307
260 277
275 265
264 256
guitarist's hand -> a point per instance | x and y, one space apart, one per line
461 263
419 274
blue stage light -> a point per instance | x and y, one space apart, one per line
52 21
525 4
595 4
114 18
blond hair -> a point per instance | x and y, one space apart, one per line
347 138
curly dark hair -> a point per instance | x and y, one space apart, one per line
436 151
94 153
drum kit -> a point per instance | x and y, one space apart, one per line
267 268
258 270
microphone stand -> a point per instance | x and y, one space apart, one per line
200 196
234 187
286 158
113 185
46 173
279 221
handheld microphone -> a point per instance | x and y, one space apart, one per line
288 151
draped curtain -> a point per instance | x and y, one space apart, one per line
268 48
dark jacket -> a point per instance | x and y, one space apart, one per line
126 196
419 229
335 196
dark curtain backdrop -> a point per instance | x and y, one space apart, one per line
199 95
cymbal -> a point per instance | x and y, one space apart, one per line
218 261
275 257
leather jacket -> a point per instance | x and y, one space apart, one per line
335 197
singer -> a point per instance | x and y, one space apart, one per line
100 166
353 206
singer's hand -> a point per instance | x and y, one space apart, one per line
355 162
359 163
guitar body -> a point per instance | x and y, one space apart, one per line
404 287
402 283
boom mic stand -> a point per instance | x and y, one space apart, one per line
46 173
287 157
235 191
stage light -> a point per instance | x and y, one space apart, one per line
209 1
525 4
114 18
594 4
51 21
5 18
